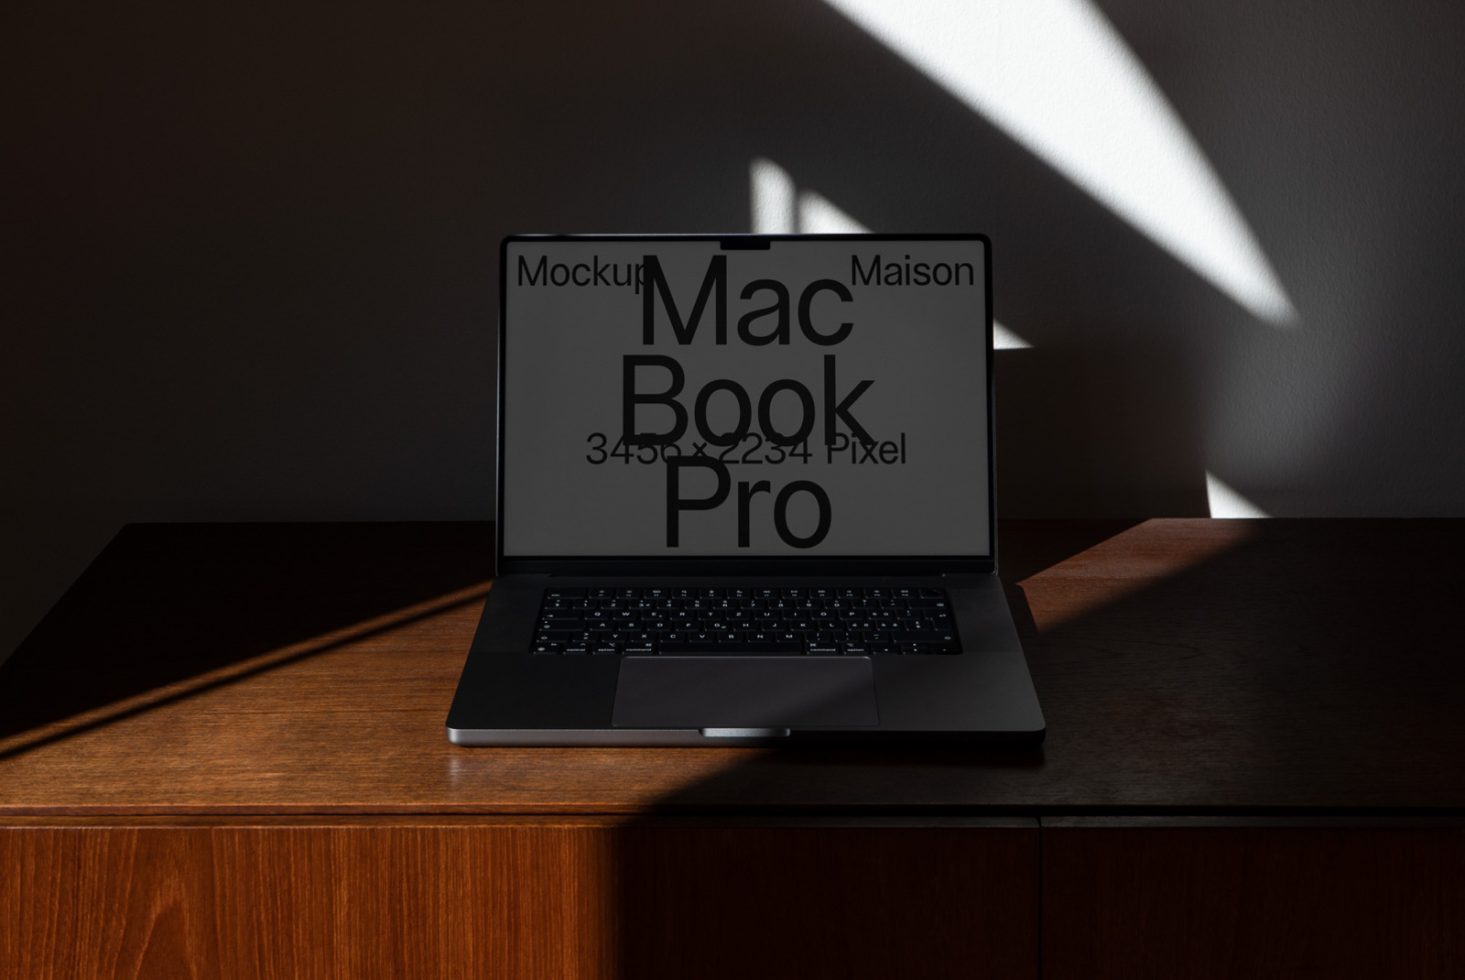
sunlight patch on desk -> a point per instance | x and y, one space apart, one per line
1226 502
1129 569
780 207
1056 77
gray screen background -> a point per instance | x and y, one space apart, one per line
923 346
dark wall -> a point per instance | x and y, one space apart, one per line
250 248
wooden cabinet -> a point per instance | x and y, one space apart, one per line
222 755
1256 899
524 898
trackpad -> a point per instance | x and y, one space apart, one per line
745 692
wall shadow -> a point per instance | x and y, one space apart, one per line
250 268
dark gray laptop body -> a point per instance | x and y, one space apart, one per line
978 687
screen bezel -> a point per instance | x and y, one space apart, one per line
733 564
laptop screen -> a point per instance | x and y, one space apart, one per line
797 397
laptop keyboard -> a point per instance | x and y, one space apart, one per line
723 621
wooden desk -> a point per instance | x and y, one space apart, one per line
222 754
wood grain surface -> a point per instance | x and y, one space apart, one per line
1183 665
518 898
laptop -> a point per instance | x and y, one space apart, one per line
745 496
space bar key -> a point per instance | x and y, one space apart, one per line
728 650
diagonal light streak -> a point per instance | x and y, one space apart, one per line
1057 78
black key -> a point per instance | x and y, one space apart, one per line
672 639
855 649
882 648
825 651
628 593
602 593
564 593
694 650
558 636
605 648
929 602
924 636
850 593
692 645
548 647
718 650
576 648
643 650
710 593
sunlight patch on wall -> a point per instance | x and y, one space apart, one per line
1226 502
779 207
773 199
1057 78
